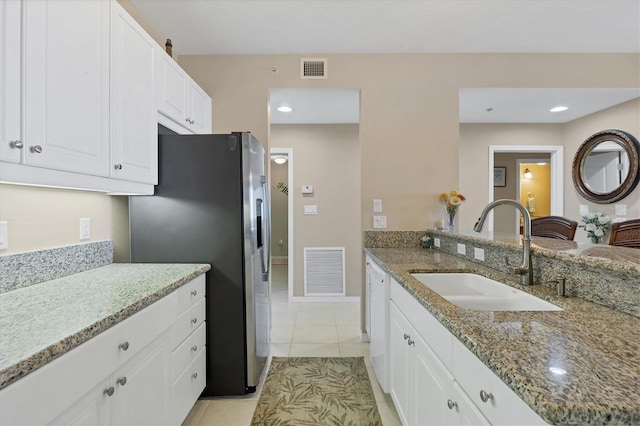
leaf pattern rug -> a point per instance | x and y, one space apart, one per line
317 391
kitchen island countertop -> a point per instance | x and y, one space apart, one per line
41 322
597 347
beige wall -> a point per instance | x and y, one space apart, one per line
41 218
279 211
474 151
538 187
327 157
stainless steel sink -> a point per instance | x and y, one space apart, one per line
472 291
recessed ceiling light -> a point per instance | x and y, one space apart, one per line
559 108
284 108
279 159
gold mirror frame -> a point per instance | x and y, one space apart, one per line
631 148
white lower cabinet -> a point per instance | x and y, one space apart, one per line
435 380
134 373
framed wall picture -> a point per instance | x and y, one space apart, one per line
499 176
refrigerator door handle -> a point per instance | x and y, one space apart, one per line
266 229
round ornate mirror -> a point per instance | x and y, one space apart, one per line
605 168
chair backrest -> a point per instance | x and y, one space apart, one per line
625 234
557 227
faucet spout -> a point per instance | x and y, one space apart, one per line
525 270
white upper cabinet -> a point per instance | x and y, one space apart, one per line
66 85
134 132
181 99
11 145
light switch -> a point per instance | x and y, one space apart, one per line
4 235
379 221
377 206
621 209
310 209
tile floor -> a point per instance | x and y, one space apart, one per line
299 329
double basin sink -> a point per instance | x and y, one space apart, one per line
475 292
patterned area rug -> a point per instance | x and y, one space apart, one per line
317 391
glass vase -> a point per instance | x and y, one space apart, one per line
595 239
450 214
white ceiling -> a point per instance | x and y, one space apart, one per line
408 26
392 26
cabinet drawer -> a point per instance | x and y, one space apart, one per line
188 387
434 333
190 293
505 407
188 350
146 325
186 323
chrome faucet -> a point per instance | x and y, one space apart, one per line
525 270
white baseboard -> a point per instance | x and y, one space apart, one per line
327 299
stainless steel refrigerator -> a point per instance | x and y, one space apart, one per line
211 205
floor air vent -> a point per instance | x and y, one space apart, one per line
324 271
313 68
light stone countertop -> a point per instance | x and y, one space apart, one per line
597 346
43 321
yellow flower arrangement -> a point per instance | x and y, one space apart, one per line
452 201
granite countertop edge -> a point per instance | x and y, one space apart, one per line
550 411
36 360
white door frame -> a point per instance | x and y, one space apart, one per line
290 251
557 173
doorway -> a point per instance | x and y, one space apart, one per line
556 170
281 177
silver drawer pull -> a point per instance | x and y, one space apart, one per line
194 376
108 391
194 320
124 346
485 396
406 336
194 292
194 348
117 166
411 342
122 381
36 149
451 404
16 144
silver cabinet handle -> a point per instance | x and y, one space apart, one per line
194 376
124 346
484 396
194 320
108 391
36 149
194 292
117 166
411 342
451 404
194 348
122 381
406 336
16 144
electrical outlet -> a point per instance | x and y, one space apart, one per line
379 221
85 228
436 242
621 209
462 249
4 235
478 254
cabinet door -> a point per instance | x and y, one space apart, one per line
431 386
134 129
465 412
198 109
172 90
367 315
93 409
10 103
400 362
142 386
66 85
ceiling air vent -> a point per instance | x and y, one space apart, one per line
313 68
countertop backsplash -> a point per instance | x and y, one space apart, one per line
25 269
598 273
